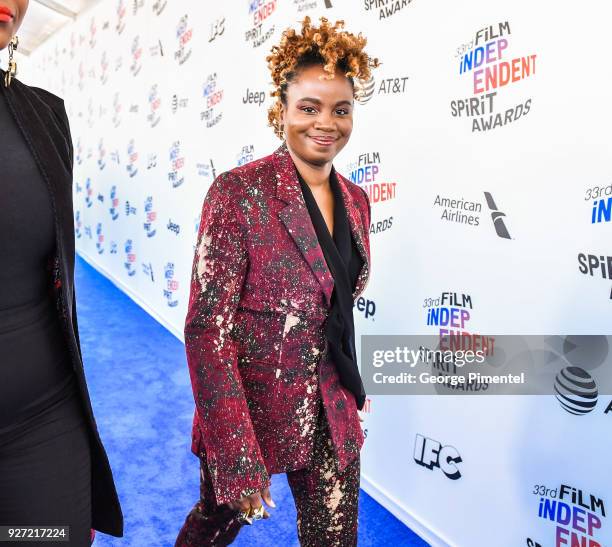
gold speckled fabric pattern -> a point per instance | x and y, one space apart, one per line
326 500
254 332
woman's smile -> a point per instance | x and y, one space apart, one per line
6 15
323 141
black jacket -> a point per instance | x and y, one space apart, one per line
42 119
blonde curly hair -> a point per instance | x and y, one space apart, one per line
324 45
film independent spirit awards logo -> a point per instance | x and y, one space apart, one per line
365 172
486 63
260 14
590 262
385 9
578 516
451 314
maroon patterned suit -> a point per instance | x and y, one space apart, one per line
254 331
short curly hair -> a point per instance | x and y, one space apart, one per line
324 45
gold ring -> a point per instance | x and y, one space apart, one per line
258 513
245 517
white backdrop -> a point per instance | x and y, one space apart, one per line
163 96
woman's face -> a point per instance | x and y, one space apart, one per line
318 116
11 16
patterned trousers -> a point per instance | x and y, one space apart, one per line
326 503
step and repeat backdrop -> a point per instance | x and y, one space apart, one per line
484 144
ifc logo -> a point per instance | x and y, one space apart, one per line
576 390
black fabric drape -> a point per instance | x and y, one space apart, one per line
345 263
43 122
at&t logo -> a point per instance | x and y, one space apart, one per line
576 390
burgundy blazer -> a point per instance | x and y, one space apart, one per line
254 331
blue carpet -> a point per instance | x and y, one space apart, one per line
139 383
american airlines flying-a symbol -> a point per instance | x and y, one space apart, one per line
497 216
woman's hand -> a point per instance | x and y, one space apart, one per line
253 502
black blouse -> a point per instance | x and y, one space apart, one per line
345 263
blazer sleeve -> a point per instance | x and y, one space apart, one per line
219 269
59 111
63 117
57 107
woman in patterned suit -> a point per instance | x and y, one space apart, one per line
282 253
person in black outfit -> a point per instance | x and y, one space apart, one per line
53 468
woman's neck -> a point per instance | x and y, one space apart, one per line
315 175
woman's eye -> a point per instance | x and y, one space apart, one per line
313 110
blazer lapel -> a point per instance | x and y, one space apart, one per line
357 232
296 219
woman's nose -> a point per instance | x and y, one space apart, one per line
324 121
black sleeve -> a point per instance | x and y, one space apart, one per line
58 109
63 117
56 104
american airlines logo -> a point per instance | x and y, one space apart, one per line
462 210
497 216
